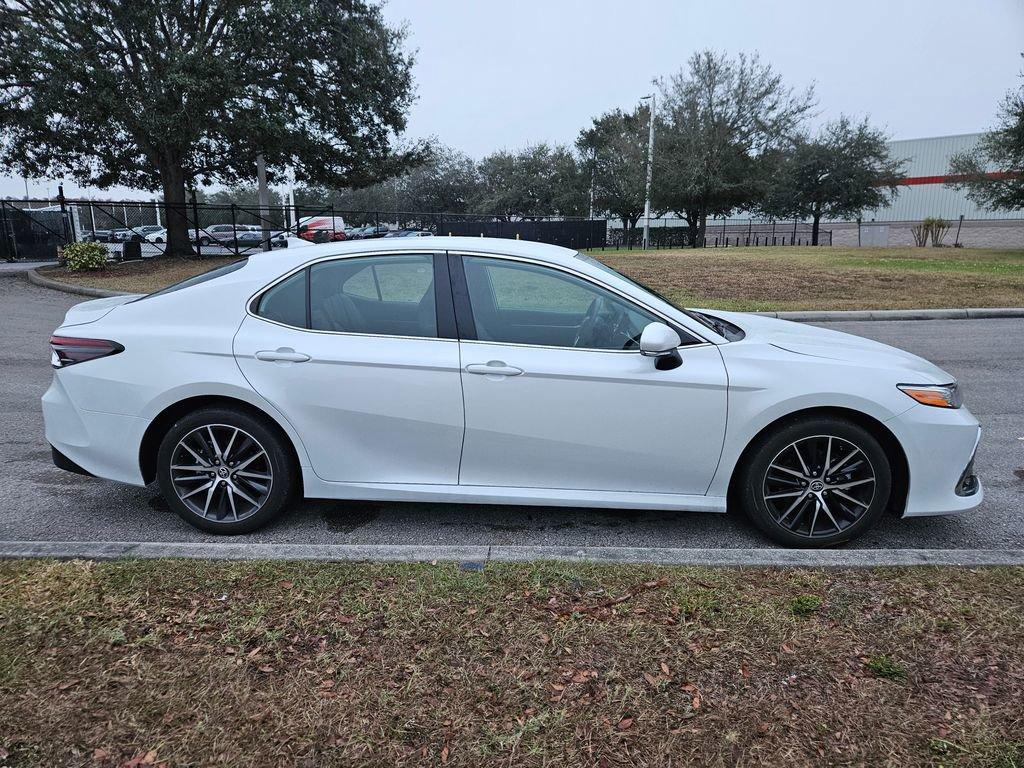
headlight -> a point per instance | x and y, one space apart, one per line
939 396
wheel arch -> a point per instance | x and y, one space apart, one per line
150 445
890 444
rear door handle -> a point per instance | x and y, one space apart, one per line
493 368
282 355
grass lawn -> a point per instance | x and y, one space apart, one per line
743 278
245 664
776 279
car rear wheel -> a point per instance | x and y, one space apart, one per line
816 482
225 471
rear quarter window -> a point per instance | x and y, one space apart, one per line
204 277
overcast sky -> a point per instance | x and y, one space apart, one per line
499 74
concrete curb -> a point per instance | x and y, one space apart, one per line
830 316
82 290
831 558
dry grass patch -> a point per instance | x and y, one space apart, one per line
769 279
829 278
193 663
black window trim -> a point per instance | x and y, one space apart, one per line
444 305
464 308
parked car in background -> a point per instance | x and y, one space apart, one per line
371 231
159 236
347 371
323 234
410 233
219 234
253 238
135 234
309 225
98 236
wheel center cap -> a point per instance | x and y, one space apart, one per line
222 471
817 486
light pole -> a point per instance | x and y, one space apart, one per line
650 168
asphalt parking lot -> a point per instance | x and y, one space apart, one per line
41 503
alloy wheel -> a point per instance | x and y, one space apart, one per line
819 486
221 473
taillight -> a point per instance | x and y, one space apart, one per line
68 351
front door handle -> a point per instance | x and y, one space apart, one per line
493 368
282 355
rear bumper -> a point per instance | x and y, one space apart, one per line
90 442
940 445
63 462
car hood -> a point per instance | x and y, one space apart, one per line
90 311
810 341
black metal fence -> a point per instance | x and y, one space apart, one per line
35 230
719 233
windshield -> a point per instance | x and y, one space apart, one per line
713 324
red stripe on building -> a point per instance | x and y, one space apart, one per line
911 181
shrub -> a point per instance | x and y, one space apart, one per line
885 667
79 257
938 227
803 605
920 233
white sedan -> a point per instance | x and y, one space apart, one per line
495 371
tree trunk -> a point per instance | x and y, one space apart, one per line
172 177
814 228
691 227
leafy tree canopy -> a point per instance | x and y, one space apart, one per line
843 170
537 181
993 173
614 149
721 118
164 94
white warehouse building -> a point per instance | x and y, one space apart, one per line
924 195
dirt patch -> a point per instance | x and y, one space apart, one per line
138 276
296 664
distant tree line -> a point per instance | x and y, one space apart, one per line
730 137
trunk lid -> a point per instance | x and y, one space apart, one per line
91 311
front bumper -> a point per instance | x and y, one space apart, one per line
940 445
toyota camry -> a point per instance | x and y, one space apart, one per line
495 371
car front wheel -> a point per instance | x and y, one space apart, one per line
225 471
815 482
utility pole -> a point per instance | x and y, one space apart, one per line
650 169
264 200
290 179
593 173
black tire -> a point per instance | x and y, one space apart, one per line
273 495
205 241
854 510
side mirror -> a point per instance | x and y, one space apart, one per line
661 342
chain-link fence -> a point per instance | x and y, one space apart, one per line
35 230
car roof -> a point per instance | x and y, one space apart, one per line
283 261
